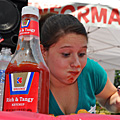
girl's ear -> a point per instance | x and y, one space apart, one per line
43 51
41 47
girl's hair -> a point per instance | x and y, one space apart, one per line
59 25
44 18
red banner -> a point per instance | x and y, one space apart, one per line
88 14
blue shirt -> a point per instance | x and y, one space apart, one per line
91 82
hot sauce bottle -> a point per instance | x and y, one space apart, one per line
27 75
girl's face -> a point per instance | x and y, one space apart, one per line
66 58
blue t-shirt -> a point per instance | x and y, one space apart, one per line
91 82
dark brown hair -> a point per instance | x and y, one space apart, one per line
59 25
43 18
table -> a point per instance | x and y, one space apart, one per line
24 115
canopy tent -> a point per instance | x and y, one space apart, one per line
104 47
102 22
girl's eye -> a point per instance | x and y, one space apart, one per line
81 54
66 54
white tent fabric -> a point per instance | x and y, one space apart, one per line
102 22
104 46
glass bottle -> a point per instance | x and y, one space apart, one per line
5 57
27 75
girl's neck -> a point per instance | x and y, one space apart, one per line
63 93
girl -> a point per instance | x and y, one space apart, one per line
75 80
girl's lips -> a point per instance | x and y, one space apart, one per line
74 73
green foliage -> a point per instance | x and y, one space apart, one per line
117 78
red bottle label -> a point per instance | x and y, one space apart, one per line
29 27
21 92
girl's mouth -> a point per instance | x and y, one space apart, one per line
74 73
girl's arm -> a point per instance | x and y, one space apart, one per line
109 97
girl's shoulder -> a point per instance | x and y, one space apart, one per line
93 65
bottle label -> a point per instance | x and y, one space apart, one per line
29 27
21 92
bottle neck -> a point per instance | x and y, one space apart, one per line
28 46
29 25
29 31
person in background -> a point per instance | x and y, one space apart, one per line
76 81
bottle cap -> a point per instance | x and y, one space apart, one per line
30 10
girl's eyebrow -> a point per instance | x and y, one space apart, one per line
71 47
65 47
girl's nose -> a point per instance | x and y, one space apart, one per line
75 62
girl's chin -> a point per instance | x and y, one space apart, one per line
71 81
